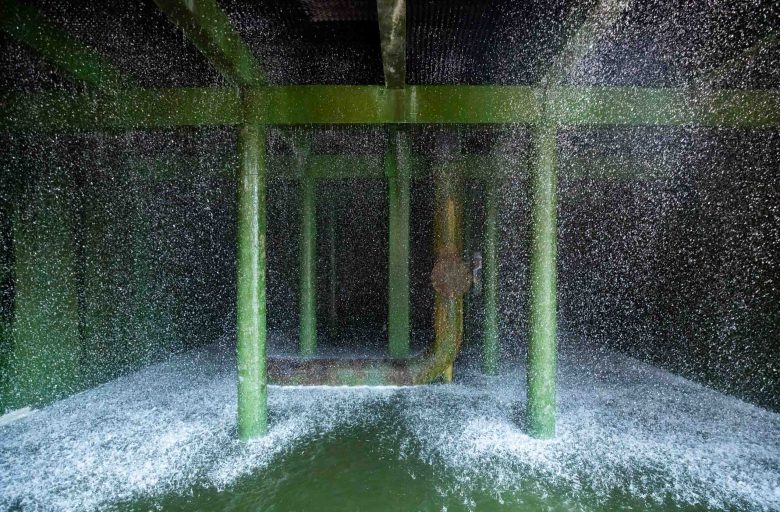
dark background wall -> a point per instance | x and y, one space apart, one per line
679 268
668 248
150 260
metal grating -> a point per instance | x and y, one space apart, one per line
658 43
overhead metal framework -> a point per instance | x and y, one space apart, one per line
206 25
114 102
27 26
392 34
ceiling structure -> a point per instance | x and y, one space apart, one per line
174 62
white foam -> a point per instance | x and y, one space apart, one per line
160 430
15 415
633 429
623 426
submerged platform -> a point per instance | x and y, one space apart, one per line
346 343
629 435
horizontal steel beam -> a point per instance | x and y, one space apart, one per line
26 25
206 25
631 106
356 104
132 109
334 104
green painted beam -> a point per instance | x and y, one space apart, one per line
542 300
397 169
313 104
392 36
82 63
335 104
367 104
134 109
250 299
634 106
206 25
473 104
557 107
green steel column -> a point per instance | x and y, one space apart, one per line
490 342
333 314
542 325
28 26
307 342
8 190
6 286
45 362
250 301
397 170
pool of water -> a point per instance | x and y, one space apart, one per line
376 466
630 436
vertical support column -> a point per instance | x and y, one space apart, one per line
333 274
250 300
490 340
448 248
6 274
45 362
542 325
397 170
307 341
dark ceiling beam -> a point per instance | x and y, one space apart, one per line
392 35
585 33
80 62
209 29
336 104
